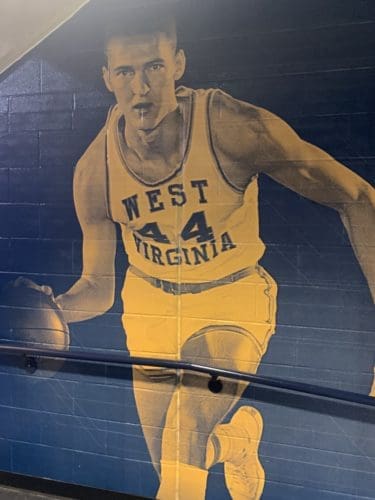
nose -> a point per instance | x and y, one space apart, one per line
139 84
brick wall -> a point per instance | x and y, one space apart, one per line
313 64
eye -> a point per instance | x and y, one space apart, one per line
125 72
156 66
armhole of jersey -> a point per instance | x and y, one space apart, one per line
211 145
107 194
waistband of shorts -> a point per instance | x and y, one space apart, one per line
175 288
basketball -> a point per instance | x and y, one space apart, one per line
30 318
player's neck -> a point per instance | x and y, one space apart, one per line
161 140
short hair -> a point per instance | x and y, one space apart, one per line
140 21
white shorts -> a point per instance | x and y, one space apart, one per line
158 324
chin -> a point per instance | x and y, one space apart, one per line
147 124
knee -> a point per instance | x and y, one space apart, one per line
226 346
155 374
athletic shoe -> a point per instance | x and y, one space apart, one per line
244 474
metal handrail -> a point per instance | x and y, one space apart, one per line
120 359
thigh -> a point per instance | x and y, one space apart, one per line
150 320
248 305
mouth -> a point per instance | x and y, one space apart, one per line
142 107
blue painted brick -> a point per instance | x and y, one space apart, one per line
5 390
120 376
330 133
293 209
284 351
280 260
42 394
107 411
56 256
24 79
5 455
127 447
351 461
3 123
94 99
19 221
362 128
41 256
42 461
294 472
5 254
91 336
90 119
108 320
38 103
20 424
48 420
80 372
281 234
77 256
125 429
313 355
24 185
3 105
4 185
216 484
60 190
112 474
40 121
62 148
327 316
330 93
25 256
332 336
19 150
320 294
56 80
275 490
79 437
59 222
104 394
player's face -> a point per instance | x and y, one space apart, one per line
141 73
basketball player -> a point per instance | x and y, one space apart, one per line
177 170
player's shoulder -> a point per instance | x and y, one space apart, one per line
228 110
235 125
93 159
90 171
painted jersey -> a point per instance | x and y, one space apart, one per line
194 225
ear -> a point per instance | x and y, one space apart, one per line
180 64
106 78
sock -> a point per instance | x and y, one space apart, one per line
222 443
212 450
181 481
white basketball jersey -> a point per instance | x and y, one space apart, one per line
193 225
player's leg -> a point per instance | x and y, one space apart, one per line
230 348
201 410
150 323
153 390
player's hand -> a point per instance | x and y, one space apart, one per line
47 290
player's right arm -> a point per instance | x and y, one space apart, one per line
93 293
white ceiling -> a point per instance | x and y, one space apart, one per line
25 23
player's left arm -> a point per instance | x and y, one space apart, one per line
249 140
313 173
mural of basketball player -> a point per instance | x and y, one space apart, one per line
177 169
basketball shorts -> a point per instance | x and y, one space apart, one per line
158 324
